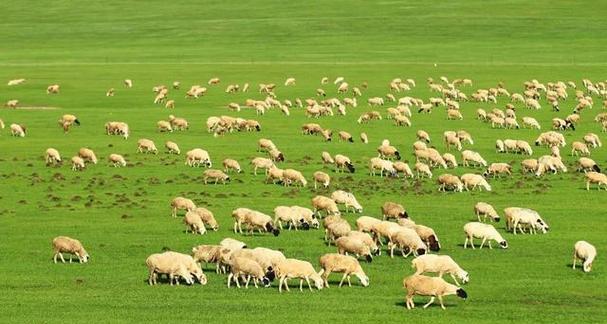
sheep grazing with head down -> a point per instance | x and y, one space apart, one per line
595 177
472 181
408 241
322 178
181 203
52 157
485 232
584 252
87 155
145 145
348 244
342 162
393 210
348 199
253 220
486 210
430 286
117 160
64 244
348 265
293 268
172 148
440 264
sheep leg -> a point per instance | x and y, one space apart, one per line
452 276
301 285
430 302
483 242
574 260
349 283
247 282
308 281
409 302
440 300
230 276
342 279
325 275
280 282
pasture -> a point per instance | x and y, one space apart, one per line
122 215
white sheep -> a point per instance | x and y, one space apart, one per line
181 203
293 268
117 160
87 155
172 147
64 244
430 286
584 252
596 177
407 239
77 163
18 130
348 199
517 217
485 232
472 181
486 210
440 264
348 265
145 145
197 157
52 157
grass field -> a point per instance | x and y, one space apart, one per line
123 215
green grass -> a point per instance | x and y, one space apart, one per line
122 215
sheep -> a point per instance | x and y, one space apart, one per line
529 166
322 203
87 155
486 210
497 169
117 160
422 168
172 147
403 168
52 157
384 229
164 126
266 144
440 264
484 232
12 103
388 151
333 262
1 124
194 223
531 123
579 148
77 163
430 286
524 147
213 81
246 267
52 89
348 244
596 177
128 83
276 155
448 181
294 176
366 223
262 163
326 158
471 156
217 175
549 163
382 165
510 145
15 82
450 160
348 199
407 239
586 253
321 177
307 215
393 210
550 138
175 265
179 203
342 162
18 130
207 254
293 268
560 124
290 216
178 123
517 217
198 156
254 220
335 227
64 244
473 181
586 164
592 140
345 136
454 114
511 123
370 115
145 145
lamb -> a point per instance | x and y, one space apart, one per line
18 130
430 286
586 164
322 203
321 177
473 181
64 244
348 244
246 267
262 163
498 169
448 181
77 163
293 176
471 156
586 253
440 264
516 217
117 160
198 156
52 157
172 147
52 89
486 210
217 175
388 151
293 268
145 145
407 239
194 223
333 262
179 203
87 155
422 168
579 148
175 265
596 177
484 232
348 199
342 162
392 210
531 123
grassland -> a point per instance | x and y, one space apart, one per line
122 215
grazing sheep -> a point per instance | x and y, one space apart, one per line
473 181
335 227
213 81
52 89
450 182
393 210
596 177
52 157
403 168
207 254
407 239
178 123
422 168
342 162
454 114
321 177
253 220
450 160
164 126
175 265
586 164
117 128
550 138
430 286
348 199
382 165
523 147
486 210
217 175
15 82
117 160
366 223
64 244
549 163
18 130
128 83
497 169
348 244
172 147
384 229
451 139
179 203
531 123
289 216
517 217
440 264
77 163
322 203
196 157
293 268
484 232
592 140
262 163
293 176
579 148
88 155
194 223
471 156
586 253
12 103
333 262
388 151
276 155
529 166
345 136
423 136
326 158
230 164
249 268
145 145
